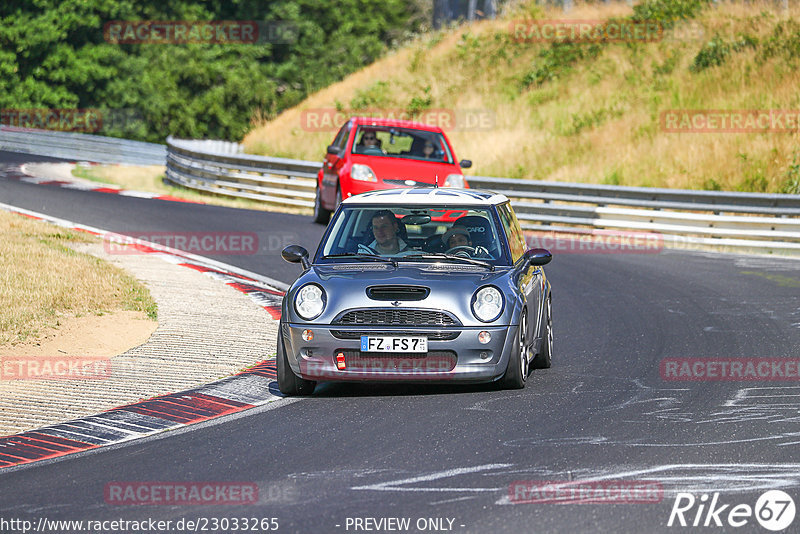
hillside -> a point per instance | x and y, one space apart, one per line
587 112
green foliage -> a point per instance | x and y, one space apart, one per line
716 51
590 119
668 12
713 54
374 96
791 182
754 177
613 178
419 104
668 65
469 46
53 55
784 41
556 60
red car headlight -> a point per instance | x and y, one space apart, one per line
454 180
362 173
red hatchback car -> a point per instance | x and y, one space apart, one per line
370 154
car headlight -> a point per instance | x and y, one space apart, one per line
362 173
454 180
309 301
487 304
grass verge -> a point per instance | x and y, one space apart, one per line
44 281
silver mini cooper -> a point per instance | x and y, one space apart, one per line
417 285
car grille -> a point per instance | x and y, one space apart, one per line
403 183
397 292
432 336
394 317
432 361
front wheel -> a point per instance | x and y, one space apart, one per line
517 370
288 382
321 215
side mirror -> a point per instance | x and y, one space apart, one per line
296 254
333 150
465 163
538 256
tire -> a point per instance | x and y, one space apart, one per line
338 197
321 215
289 383
517 370
542 360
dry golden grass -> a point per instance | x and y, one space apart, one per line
150 179
597 122
136 178
43 280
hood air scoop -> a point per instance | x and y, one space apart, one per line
396 292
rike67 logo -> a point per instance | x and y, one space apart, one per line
774 510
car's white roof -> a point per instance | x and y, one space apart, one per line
429 196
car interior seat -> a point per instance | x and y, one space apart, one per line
416 148
434 243
480 232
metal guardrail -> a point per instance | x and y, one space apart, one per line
222 169
680 217
81 147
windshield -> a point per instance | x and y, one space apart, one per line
389 141
415 234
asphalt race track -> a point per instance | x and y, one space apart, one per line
603 411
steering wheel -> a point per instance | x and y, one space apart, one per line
366 249
478 251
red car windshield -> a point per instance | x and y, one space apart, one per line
393 142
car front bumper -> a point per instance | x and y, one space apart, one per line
463 359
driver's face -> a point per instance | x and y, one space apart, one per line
384 230
458 240
370 139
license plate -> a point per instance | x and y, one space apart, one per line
394 344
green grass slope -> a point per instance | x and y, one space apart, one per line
586 112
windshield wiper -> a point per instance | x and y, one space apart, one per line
440 255
361 256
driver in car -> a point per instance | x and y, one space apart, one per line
457 236
385 229
369 140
